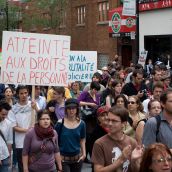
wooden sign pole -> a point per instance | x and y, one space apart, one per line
33 116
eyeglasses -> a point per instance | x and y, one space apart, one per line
162 160
131 102
112 121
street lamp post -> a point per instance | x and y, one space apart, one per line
137 31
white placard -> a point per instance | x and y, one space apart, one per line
129 8
142 57
35 59
82 65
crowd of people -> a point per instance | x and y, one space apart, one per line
119 122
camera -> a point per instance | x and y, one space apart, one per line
144 91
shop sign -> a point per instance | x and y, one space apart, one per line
116 22
148 5
120 25
129 8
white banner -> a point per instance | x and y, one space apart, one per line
35 59
129 8
82 65
142 57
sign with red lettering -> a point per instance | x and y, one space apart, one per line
155 5
35 59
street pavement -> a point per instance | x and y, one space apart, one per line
86 168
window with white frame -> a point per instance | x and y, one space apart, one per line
81 15
103 11
62 18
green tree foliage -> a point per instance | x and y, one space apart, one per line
9 16
43 14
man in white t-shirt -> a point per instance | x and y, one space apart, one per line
6 138
21 118
158 89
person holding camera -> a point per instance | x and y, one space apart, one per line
136 86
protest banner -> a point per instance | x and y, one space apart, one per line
82 65
142 57
35 59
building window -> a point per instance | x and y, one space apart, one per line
62 18
103 11
81 15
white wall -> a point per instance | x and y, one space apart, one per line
155 22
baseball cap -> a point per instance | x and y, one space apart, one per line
71 103
102 109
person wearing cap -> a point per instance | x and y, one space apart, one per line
71 137
105 76
101 127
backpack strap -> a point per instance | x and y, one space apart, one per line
60 131
144 120
158 120
3 137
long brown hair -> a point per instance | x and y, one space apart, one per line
137 99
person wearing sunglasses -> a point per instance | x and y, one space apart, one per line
136 113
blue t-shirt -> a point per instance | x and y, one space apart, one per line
70 139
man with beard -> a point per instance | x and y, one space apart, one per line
163 133
136 86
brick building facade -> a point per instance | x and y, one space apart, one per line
87 24
86 21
